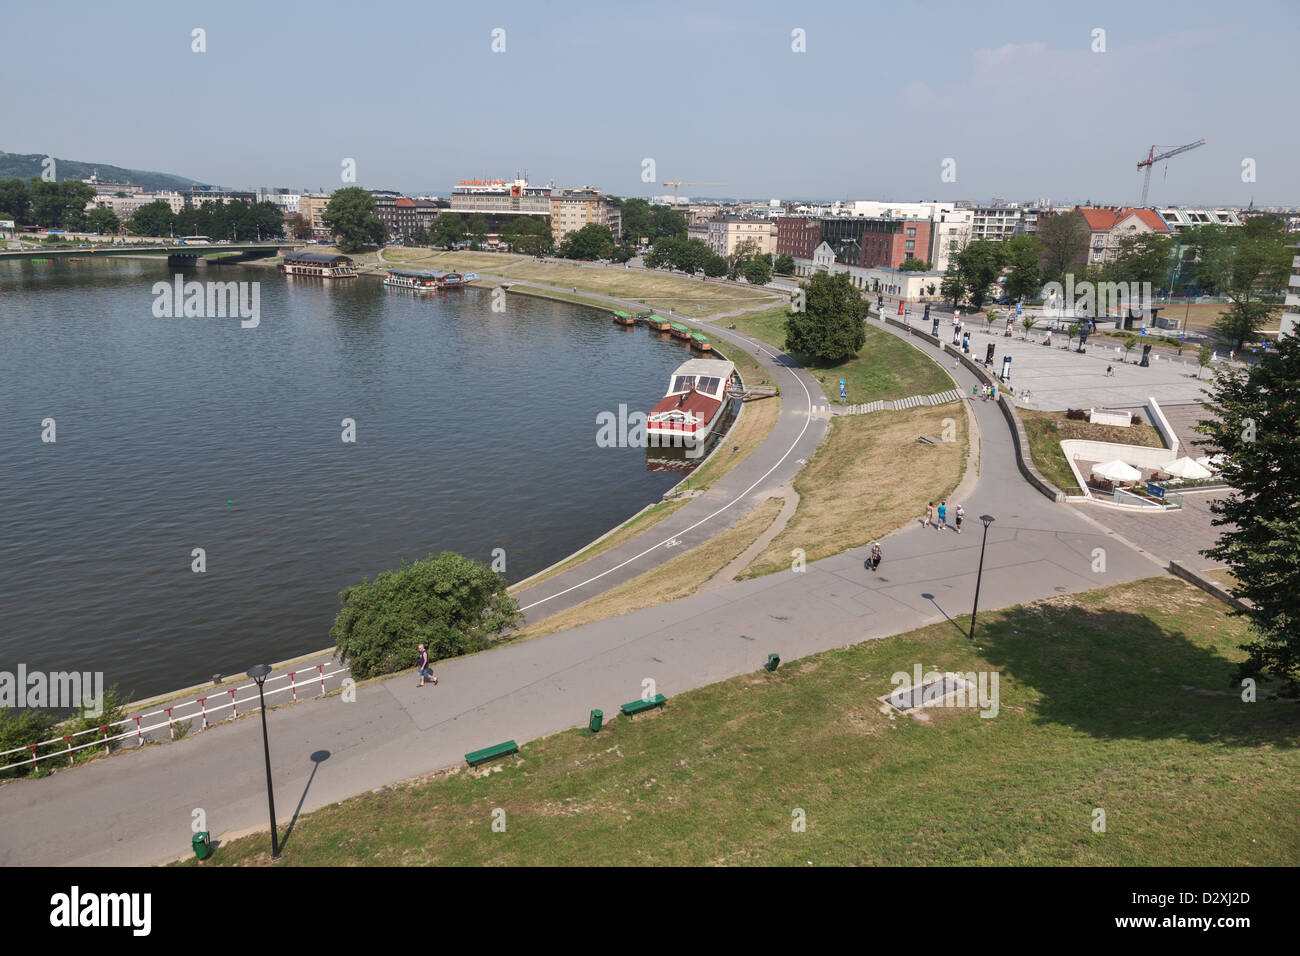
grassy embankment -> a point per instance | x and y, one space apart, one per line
869 477
885 368
1120 700
1047 430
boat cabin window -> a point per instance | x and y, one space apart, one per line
683 383
707 385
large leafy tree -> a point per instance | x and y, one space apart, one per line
1211 250
1063 240
451 604
758 271
59 205
448 229
1025 274
477 226
592 241
154 219
14 200
784 265
1254 421
1261 263
351 216
666 222
1142 257
832 326
979 266
102 220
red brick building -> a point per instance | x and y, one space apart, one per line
856 240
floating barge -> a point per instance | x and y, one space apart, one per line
318 265
623 318
696 398
679 331
415 281
658 323
698 341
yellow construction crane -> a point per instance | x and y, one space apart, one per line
681 182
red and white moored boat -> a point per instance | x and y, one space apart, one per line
694 403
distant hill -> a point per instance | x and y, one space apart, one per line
26 165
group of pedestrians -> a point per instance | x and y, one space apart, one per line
985 392
938 518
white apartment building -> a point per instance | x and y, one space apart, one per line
1291 308
1181 217
953 227
726 233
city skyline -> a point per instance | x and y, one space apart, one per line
1038 104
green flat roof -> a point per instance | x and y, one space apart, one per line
622 315
679 327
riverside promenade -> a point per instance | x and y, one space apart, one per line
137 808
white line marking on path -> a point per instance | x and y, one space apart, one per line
740 497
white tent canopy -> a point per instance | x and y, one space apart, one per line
1185 468
1116 471
1212 462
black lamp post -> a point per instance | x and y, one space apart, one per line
988 520
259 673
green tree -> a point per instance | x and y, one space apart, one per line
638 222
14 200
1211 247
623 252
1254 419
1028 322
449 603
1204 355
103 221
662 253
477 226
448 230
59 205
1129 342
153 219
715 266
911 264
979 265
665 223
784 265
1261 263
1025 273
260 220
351 216
1143 257
691 255
832 327
952 288
592 241
1071 332
758 271
742 255
296 226
1063 241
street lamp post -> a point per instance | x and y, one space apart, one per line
259 673
988 520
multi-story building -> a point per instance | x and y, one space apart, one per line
726 233
312 206
995 222
124 207
501 198
1178 218
412 214
1291 307
104 187
855 240
572 209
286 199
198 195
1108 224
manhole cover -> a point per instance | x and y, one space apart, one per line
934 689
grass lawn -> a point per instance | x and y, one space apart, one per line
1120 699
851 492
886 368
1047 430
675 579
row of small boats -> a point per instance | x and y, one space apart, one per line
696 340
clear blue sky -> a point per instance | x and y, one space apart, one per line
585 91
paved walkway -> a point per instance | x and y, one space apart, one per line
137 807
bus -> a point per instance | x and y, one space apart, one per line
193 241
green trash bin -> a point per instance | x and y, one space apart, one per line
772 661
202 844
595 720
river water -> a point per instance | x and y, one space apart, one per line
475 430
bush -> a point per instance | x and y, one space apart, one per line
20 727
451 604
1076 415
1137 419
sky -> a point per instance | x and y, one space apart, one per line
937 100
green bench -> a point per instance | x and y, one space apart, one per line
490 753
638 706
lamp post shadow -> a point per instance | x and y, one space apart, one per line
946 616
318 758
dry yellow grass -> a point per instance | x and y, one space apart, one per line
681 576
869 477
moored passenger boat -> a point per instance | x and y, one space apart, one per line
694 403
415 281
698 341
658 323
679 331
623 318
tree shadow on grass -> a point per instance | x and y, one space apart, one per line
1115 674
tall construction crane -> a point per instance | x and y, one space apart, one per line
681 182
1152 159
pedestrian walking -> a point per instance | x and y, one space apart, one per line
961 513
875 557
994 393
1110 370
929 515
425 670
956 361
943 516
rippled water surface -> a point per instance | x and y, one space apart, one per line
475 430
